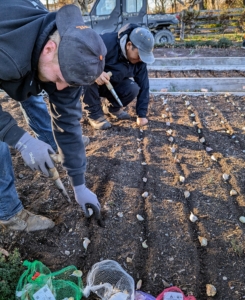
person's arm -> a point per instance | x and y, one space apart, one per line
10 132
34 152
66 114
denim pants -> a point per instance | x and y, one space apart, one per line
10 203
37 117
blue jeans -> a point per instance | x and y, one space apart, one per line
10 203
37 117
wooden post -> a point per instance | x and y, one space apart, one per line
182 26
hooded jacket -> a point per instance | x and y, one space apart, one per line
121 68
25 26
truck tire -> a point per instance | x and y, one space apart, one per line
164 37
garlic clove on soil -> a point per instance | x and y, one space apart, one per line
139 217
203 241
193 218
120 214
86 242
225 176
202 140
144 179
211 290
182 179
145 194
233 192
139 284
90 211
77 273
242 219
144 245
187 194
129 260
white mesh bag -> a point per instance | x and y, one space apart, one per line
108 280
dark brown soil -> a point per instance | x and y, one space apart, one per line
115 173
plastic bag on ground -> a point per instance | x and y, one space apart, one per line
38 282
174 293
109 281
139 295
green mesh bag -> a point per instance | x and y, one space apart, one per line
38 283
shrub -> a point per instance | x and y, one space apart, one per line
224 43
191 44
10 271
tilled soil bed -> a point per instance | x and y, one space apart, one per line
188 144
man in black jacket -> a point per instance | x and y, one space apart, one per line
128 52
57 53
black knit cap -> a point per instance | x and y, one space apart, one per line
81 52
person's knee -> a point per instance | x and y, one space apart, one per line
134 89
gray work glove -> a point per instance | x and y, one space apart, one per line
35 153
85 198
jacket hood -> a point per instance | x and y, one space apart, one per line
24 27
126 29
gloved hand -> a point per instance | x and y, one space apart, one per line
35 153
85 197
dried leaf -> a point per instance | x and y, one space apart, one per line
4 252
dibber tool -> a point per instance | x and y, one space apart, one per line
111 89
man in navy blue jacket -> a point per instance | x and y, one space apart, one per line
128 52
57 53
